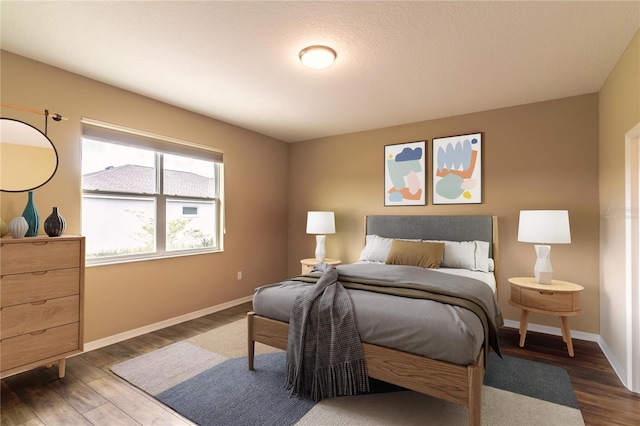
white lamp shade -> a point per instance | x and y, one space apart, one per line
321 223
544 227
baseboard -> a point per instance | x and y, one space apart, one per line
116 338
620 370
556 331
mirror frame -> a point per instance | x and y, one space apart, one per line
55 151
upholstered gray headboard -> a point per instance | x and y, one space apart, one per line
449 228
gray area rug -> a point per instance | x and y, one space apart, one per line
238 396
534 379
206 379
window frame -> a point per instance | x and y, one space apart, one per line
109 133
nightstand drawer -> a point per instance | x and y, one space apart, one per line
549 300
22 350
38 316
39 255
42 285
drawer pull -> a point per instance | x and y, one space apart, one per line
40 243
35 333
39 302
547 292
39 272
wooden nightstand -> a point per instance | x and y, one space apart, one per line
308 264
560 298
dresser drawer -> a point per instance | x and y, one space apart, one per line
550 300
38 316
39 255
36 286
27 348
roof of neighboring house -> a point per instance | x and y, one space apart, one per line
141 180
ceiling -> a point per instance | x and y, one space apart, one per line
398 62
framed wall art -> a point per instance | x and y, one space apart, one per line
457 169
404 174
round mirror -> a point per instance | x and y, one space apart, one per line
28 158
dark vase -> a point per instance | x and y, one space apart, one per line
31 216
54 225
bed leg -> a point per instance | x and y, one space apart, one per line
476 377
250 342
475 400
475 407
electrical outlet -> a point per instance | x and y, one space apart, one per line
239 275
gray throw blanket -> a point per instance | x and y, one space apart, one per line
324 352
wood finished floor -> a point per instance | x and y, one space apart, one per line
91 395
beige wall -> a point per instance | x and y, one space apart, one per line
537 156
120 298
619 113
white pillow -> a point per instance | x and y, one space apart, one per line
459 254
376 248
367 247
471 255
481 256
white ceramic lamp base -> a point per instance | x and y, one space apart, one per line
321 252
542 269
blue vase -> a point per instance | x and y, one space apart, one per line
31 216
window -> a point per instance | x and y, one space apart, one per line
189 211
144 196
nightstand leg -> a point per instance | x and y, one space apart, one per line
524 321
566 334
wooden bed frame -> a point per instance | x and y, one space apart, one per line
460 384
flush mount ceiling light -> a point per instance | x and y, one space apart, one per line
317 57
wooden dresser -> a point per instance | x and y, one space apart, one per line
42 302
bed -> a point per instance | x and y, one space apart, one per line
452 371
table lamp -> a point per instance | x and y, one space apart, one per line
321 223
544 227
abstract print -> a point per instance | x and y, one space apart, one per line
457 169
404 174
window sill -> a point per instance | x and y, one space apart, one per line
144 258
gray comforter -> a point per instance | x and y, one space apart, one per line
424 327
